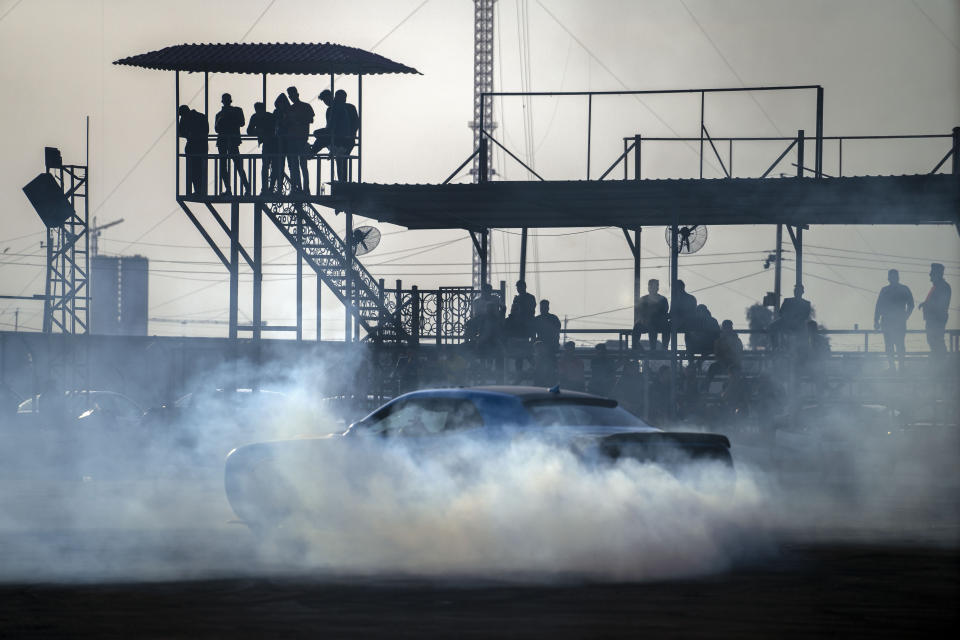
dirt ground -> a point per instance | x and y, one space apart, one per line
806 590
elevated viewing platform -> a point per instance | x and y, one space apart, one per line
297 178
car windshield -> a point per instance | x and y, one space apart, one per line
424 416
580 414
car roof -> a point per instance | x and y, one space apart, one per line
526 393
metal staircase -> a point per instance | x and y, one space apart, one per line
326 253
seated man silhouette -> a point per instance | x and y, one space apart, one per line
652 316
227 123
547 326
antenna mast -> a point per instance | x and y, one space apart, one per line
482 83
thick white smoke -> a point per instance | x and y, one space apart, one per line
520 509
108 505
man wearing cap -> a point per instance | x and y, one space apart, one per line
935 309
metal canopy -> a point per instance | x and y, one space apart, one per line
270 58
909 199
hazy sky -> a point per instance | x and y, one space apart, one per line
887 66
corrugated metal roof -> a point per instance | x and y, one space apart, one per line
910 199
273 58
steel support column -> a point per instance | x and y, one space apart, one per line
319 304
777 269
523 254
674 270
637 280
955 163
299 274
818 152
484 253
234 267
348 280
257 269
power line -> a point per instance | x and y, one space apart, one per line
400 24
729 66
10 10
934 24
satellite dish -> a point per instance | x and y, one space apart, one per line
690 238
365 240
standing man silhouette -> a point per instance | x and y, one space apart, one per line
263 124
301 115
227 124
194 127
894 306
935 309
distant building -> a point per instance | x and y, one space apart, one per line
118 290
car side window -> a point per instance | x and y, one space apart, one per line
427 416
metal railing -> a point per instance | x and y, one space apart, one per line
638 95
321 170
633 147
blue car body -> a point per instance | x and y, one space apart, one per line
595 428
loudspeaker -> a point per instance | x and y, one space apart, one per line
48 199
52 158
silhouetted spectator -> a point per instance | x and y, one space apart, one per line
703 332
545 372
522 309
935 309
759 318
628 390
652 311
193 126
301 115
602 371
794 314
263 124
570 368
812 354
728 349
684 311
490 328
894 306
340 133
227 123
285 127
547 326
480 302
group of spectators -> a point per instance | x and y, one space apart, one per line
895 305
522 334
283 135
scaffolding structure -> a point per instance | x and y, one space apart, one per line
65 308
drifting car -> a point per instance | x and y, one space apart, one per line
595 428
